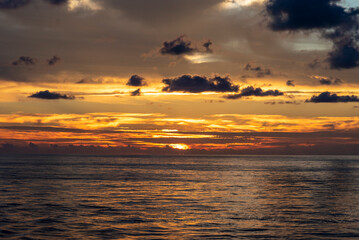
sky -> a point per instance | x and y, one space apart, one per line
179 77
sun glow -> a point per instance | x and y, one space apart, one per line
232 4
203 58
85 4
179 146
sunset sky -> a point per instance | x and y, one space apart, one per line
179 76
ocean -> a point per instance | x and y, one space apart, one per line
161 197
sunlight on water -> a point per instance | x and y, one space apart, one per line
284 197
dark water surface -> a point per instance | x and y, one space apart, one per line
256 197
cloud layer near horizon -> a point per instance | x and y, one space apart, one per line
215 133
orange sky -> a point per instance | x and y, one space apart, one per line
159 77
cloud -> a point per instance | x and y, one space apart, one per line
336 81
261 72
136 92
328 80
90 81
179 46
306 14
24 60
51 95
136 81
207 46
257 92
344 55
324 81
327 97
290 83
334 22
13 4
182 46
141 130
197 84
57 2
54 60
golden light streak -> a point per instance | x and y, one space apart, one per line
221 122
169 130
203 58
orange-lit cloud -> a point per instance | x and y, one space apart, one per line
212 132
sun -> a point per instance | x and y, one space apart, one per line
179 146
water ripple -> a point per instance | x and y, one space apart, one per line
257 197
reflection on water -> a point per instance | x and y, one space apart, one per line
257 197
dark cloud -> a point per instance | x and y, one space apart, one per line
207 46
13 4
344 55
60 129
24 60
136 92
260 72
306 14
136 81
183 46
290 83
51 95
179 46
327 97
257 92
336 23
56 2
324 81
329 81
196 84
54 60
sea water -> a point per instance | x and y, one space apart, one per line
154 197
